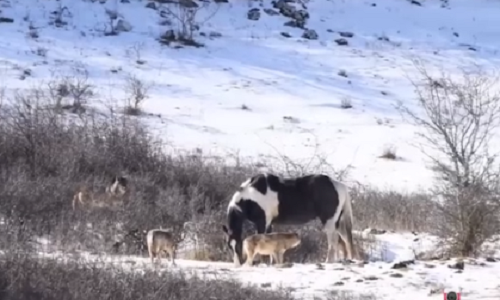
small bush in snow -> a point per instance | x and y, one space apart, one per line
346 295
137 92
389 153
374 208
70 92
185 13
346 103
45 157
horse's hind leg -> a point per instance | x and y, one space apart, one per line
342 247
332 236
345 235
333 241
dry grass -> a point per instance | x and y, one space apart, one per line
24 278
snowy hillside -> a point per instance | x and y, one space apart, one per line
252 90
260 87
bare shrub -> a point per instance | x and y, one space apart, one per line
346 103
110 27
44 157
205 241
131 242
389 152
34 34
138 92
458 121
41 51
23 278
391 210
135 51
284 165
72 92
347 295
313 245
185 13
366 247
58 15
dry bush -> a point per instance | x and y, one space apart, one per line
458 119
347 295
366 247
110 27
45 156
391 210
186 15
24 278
316 163
346 103
389 152
71 93
313 244
137 92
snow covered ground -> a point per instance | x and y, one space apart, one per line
293 92
480 278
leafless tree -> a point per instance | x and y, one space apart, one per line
459 120
185 12
138 92
75 89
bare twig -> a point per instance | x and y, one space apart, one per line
186 16
137 93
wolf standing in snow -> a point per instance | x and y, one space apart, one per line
273 244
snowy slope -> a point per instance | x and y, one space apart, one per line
198 92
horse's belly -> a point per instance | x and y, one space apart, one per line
294 218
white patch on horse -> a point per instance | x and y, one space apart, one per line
237 196
268 202
343 194
330 228
246 183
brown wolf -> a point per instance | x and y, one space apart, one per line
159 241
110 197
274 244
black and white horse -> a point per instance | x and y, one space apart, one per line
267 199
